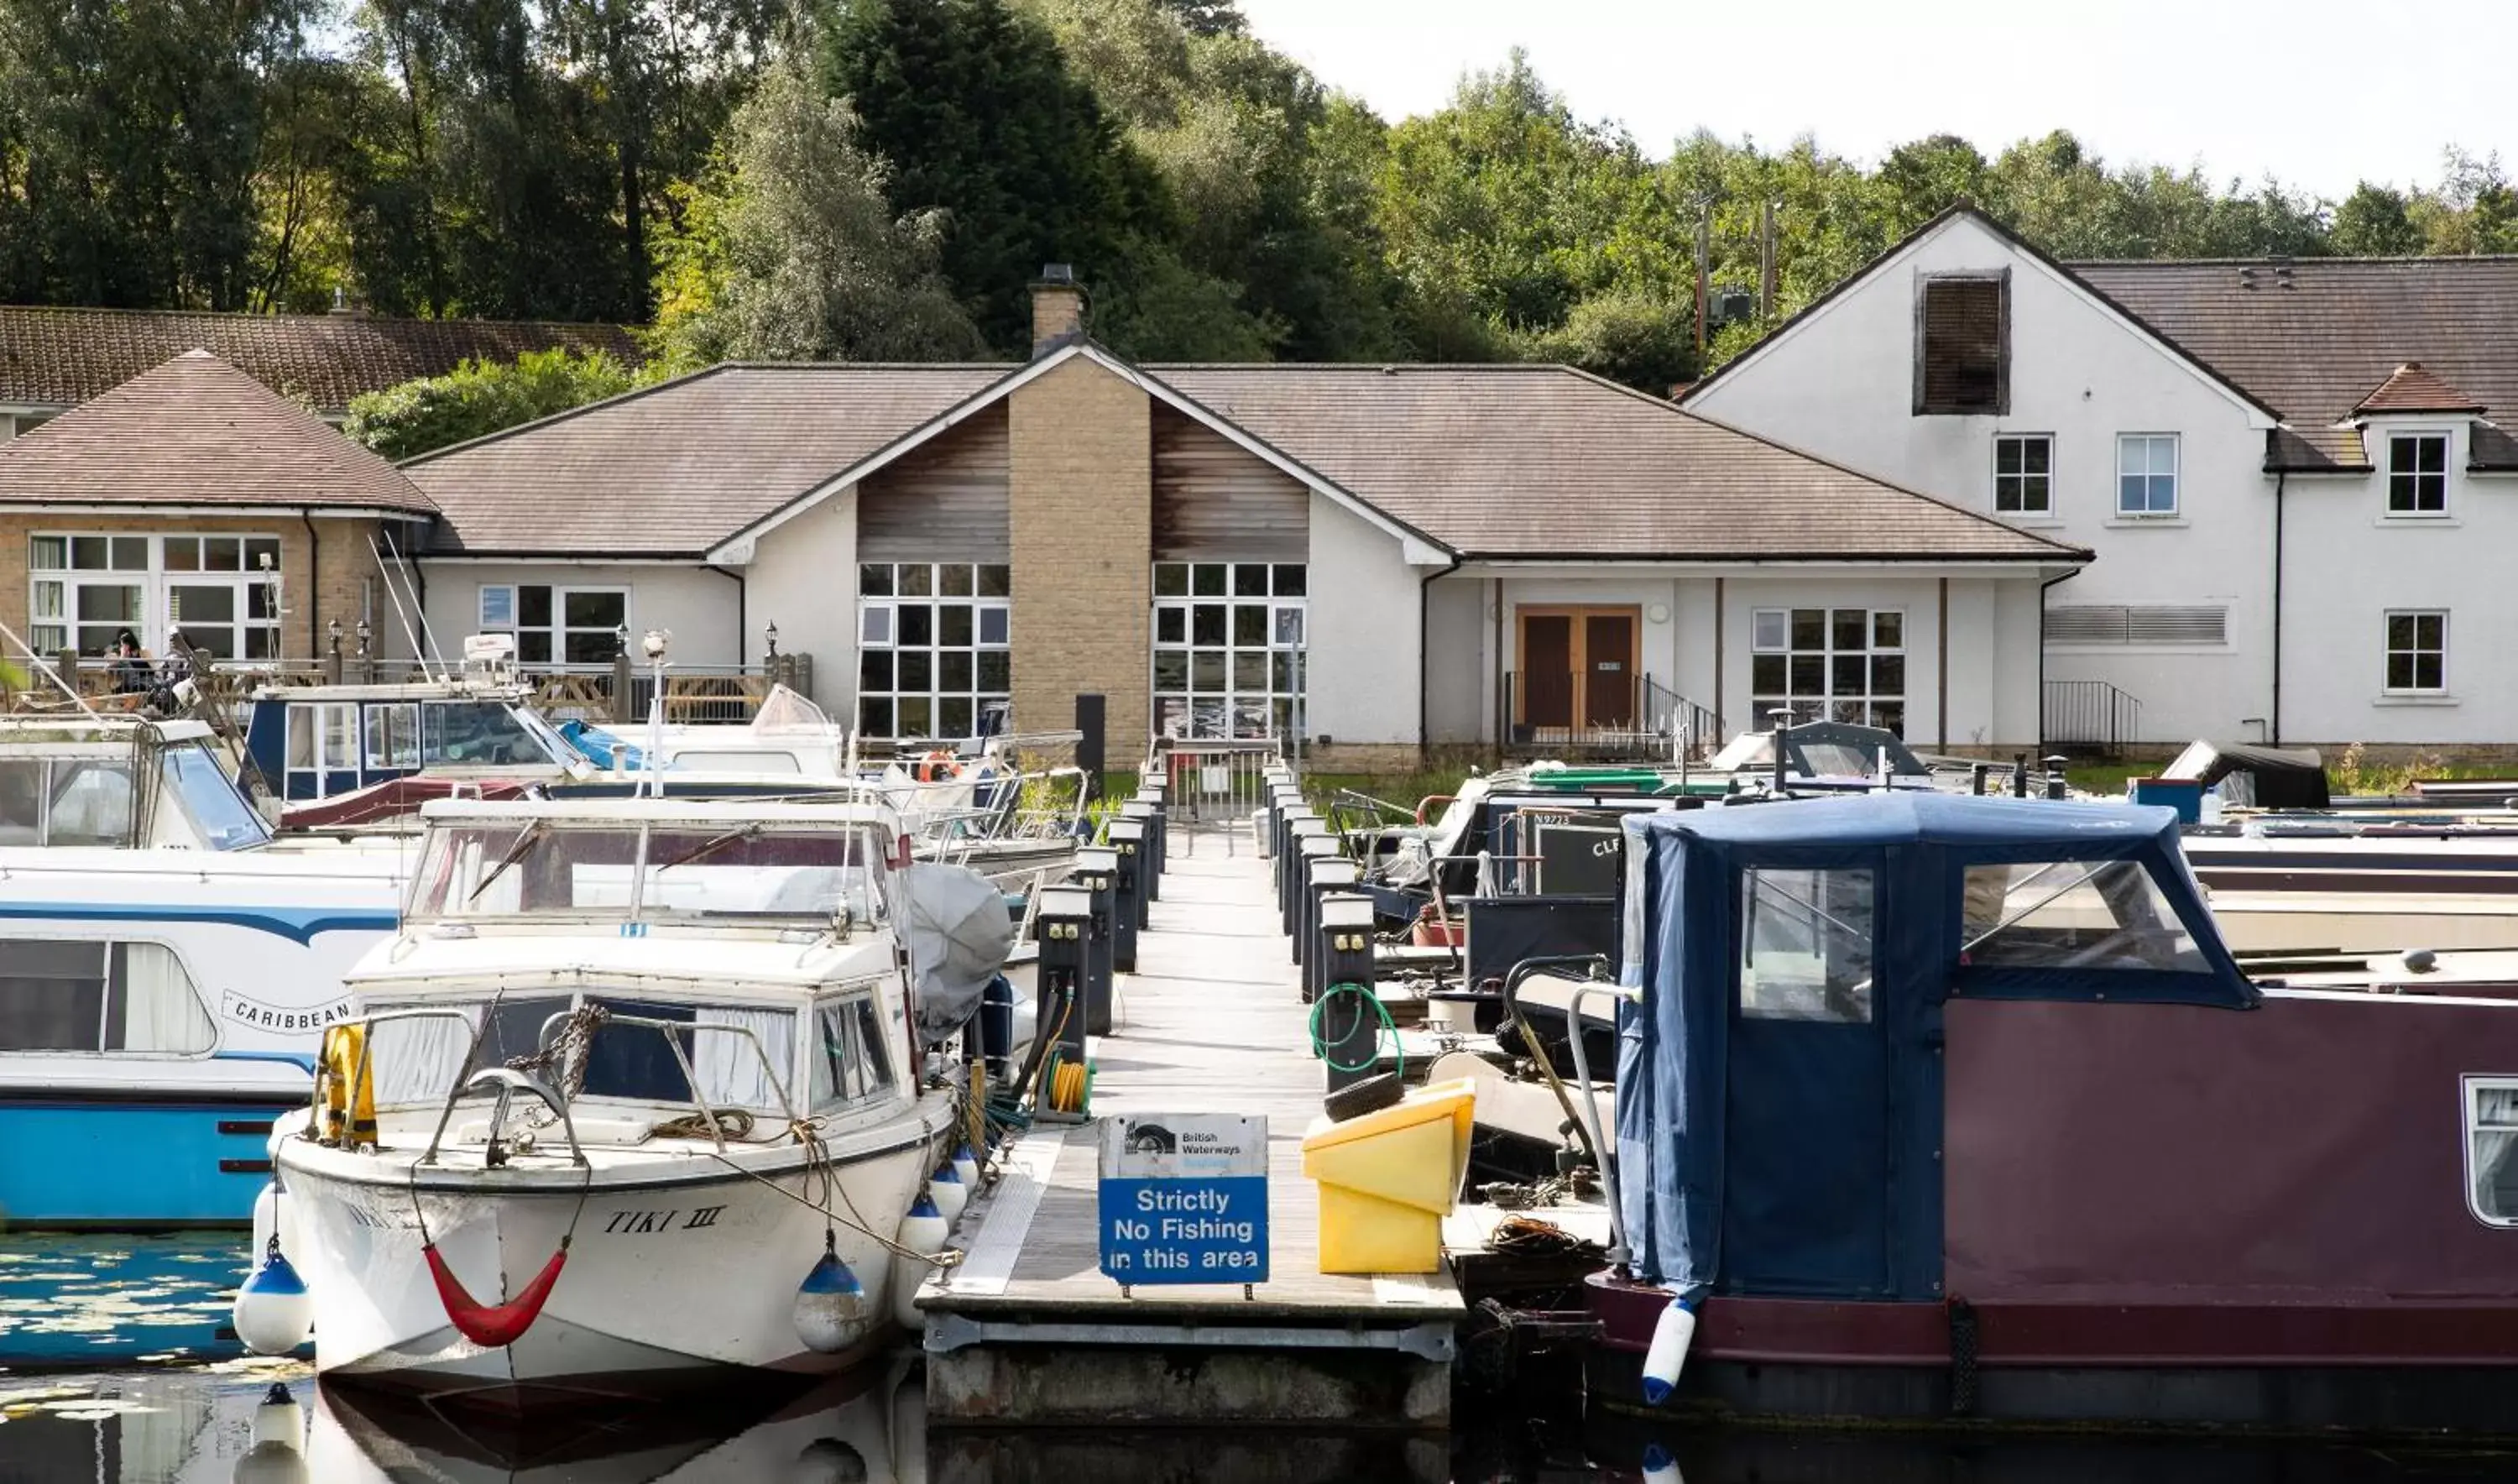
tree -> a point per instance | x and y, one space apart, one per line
2375 222
974 108
790 250
479 398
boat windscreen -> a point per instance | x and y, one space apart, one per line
480 734
220 816
417 1060
543 868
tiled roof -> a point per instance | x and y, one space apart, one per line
197 431
2411 390
674 469
1521 462
59 357
2310 337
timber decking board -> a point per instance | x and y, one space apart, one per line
1212 1022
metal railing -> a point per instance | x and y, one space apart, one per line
1212 781
1601 715
2091 714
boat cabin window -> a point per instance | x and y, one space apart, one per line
2073 915
393 735
478 734
66 994
763 761
1806 945
535 868
852 1056
323 737
65 801
220 817
415 1060
2491 1149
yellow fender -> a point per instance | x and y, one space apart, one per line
349 1114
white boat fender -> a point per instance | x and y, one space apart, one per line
273 1314
908 1430
275 1455
830 1461
967 1165
946 1190
923 1231
1660 1467
1669 1350
831 1302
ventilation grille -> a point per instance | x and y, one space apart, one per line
2109 624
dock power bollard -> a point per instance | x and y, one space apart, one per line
1322 874
1061 998
1289 866
1347 1018
1308 847
1127 891
1097 871
1149 855
1148 808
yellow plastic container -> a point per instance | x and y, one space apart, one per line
1388 1178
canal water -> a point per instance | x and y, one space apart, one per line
113 1370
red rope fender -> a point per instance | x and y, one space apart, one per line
493 1325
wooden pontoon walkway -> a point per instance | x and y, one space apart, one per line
1028 1329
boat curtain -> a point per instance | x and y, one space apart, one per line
417 1061
160 1012
730 1073
2496 1152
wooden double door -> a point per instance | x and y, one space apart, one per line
1577 668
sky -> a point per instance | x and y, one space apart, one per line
2320 93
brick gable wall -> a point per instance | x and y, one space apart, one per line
1081 470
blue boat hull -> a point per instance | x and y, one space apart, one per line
132 1163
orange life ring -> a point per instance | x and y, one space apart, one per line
937 767
1428 801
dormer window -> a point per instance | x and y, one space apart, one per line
2417 474
1963 345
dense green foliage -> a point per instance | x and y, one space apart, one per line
903 168
480 397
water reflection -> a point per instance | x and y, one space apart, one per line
71 1301
227 1425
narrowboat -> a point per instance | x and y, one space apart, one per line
1936 1107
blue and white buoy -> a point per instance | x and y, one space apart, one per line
274 1454
1669 1350
946 1189
922 1232
273 1314
967 1165
831 1303
1660 1467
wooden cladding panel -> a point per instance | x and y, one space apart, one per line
944 502
1216 500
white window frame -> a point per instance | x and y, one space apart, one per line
1232 686
881 649
555 633
2148 444
2471 1089
109 984
52 593
1770 634
2019 480
2417 649
2397 440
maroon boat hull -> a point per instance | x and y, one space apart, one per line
2167 1212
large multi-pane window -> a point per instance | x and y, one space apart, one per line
223 592
563 626
1228 648
1831 665
931 648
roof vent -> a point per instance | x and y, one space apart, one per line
1057 273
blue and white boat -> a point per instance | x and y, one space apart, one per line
167 969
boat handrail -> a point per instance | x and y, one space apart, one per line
507 1079
690 1077
366 1028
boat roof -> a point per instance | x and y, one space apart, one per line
669 809
1916 816
100 726
398 690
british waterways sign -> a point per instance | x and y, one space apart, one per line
1184 1199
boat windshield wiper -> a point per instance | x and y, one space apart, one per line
708 848
526 839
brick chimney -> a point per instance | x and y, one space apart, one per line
1056 309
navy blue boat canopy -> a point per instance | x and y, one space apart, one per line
1779 1086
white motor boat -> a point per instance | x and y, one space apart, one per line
636 1068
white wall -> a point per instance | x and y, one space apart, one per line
2348 562
1458 638
1363 642
696 605
1840 385
803 578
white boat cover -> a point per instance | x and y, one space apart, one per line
959 934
